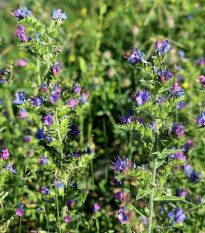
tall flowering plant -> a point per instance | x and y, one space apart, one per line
58 161
163 144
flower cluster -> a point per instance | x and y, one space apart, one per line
4 154
22 13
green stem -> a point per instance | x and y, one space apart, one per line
9 106
20 225
154 168
59 225
59 136
38 72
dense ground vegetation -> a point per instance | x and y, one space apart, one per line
95 136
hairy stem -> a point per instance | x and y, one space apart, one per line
59 136
59 224
154 168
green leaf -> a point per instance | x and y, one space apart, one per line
83 65
136 210
171 198
141 193
171 151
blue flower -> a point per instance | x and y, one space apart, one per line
181 53
58 15
123 216
20 97
201 119
164 75
40 134
194 177
43 160
45 190
180 215
21 13
11 169
74 131
136 56
39 101
76 88
142 97
127 119
47 120
163 46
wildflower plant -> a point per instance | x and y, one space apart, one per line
54 109
162 142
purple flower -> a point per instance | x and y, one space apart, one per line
44 88
75 155
56 67
136 56
19 212
177 91
39 101
198 200
117 183
122 165
76 88
54 98
21 13
74 131
96 208
141 97
49 138
27 138
73 103
11 169
202 80
188 145
70 203
180 215
180 155
74 185
67 219
47 120
144 220
21 34
127 119
180 105
180 78
119 196
20 97
21 62
177 129
163 46
45 190
181 193
40 134
201 119
123 217
194 177
56 89
187 169
181 54
23 113
89 150
177 215
43 160
84 97
4 154
164 75
57 14
58 184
